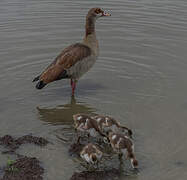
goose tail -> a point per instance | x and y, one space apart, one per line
40 85
36 78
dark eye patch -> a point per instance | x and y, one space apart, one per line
98 11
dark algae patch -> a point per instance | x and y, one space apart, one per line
8 142
12 143
24 168
32 139
112 174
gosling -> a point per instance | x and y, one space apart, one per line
107 123
91 154
122 145
86 124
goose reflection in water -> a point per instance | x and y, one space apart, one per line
62 114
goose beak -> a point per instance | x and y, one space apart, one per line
106 13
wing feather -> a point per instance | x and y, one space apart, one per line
65 60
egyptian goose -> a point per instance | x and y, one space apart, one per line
107 123
123 146
77 59
91 154
84 123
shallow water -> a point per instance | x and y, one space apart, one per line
139 78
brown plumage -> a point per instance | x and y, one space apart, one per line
91 153
123 146
84 123
107 123
76 59
69 56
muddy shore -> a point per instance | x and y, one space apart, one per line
23 167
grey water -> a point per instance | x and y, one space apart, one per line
139 78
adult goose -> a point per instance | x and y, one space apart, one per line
76 59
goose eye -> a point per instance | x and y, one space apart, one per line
98 11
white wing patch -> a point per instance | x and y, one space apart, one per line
86 124
107 121
114 137
133 148
107 118
132 162
99 119
120 139
87 158
81 127
79 118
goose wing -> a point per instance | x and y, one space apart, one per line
65 60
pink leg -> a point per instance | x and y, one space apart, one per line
73 86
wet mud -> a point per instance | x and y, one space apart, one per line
23 167
12 144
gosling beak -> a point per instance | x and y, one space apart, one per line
106 13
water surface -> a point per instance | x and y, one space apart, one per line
139 78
